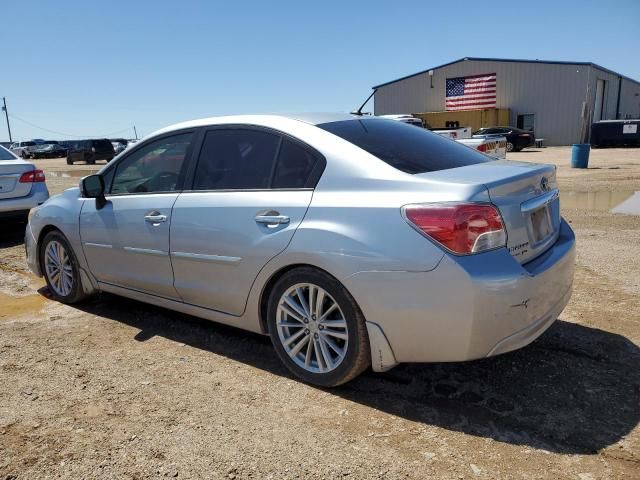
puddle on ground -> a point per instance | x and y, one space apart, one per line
621 201
11 307
71 173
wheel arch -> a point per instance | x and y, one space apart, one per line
87 283
43 233
263 300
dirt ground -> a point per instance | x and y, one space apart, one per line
114 388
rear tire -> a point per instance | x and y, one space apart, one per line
60 268
69 161
322 339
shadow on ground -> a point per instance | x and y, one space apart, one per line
11 232
575 390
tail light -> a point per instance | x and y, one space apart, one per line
34 176
482 147
461 228
524 135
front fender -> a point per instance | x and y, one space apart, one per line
61 212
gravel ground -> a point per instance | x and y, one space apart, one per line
114 388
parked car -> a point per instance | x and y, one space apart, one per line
517 139
51 150
123 141
408 119
22 185
118 147
453 133
90 151
493 145
20 148
353 242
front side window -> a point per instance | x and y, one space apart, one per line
236 159
155 167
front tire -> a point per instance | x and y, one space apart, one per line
60 268
317 329
510 147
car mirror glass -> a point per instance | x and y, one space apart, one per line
92 186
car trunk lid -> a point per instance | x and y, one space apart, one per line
526 195
10 173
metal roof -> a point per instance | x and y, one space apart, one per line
514 60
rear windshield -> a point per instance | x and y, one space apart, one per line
6 154
405 147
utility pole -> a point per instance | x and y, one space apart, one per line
135 131
6 114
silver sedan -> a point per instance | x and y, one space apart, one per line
353 242
22 186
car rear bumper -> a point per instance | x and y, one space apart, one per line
38 195
468 307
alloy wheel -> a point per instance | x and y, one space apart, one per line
58 268
312 328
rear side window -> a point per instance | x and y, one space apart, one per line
409 149
294 167
236 159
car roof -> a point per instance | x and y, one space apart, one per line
262 119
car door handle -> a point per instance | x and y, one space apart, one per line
155 217
272 219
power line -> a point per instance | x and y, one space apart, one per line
62 133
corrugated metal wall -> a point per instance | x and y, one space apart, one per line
554 93
630 99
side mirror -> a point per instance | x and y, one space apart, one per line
93 187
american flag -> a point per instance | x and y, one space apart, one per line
470 93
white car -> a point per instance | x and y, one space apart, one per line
118 147
22 185
494 146
409 119
21 149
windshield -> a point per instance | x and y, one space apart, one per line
403 146
6 154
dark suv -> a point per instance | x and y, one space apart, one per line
90 151
517 139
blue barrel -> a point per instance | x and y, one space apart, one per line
580 155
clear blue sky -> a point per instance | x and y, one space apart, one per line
98 67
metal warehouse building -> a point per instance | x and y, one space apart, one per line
559 100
